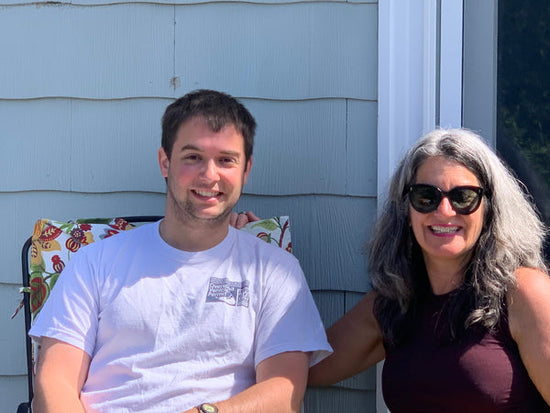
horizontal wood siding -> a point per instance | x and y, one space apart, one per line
325 238
178 2
132 50
81 145
362 150
12 337
302 147
90 52
334 400
317 37
13 389
328 235
83 84
333 305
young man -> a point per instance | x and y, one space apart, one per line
187 314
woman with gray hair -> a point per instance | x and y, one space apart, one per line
460 306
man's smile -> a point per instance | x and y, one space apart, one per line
205 193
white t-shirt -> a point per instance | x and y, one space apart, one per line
169 329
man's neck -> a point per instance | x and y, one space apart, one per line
192 237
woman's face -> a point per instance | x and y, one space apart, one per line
444 235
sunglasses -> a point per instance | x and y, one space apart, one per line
425 198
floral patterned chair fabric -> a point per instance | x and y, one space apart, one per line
54 242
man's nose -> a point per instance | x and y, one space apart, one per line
210 170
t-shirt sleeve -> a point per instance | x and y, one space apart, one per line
71 312
289 319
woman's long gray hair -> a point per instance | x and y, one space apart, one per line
512 236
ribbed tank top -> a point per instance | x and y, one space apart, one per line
481 373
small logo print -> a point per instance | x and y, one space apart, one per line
234 293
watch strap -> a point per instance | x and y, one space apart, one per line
207 408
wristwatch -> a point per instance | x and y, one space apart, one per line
207 408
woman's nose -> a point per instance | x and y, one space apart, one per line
445 207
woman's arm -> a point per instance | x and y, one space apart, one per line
529 320
357 343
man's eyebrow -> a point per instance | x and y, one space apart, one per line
231 153
191 147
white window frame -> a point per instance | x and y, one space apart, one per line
480 68
420 59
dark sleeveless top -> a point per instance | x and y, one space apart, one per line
482 372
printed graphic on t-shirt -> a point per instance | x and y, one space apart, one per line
234 293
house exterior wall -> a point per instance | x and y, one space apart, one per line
83 85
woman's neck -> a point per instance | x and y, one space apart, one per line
445 276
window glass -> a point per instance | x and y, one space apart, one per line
523 95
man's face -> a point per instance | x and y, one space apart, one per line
205 173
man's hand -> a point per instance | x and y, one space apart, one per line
239 220
280 387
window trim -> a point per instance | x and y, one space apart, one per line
420 63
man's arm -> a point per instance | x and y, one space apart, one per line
280 387
61 373
357 343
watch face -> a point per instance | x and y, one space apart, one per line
208 408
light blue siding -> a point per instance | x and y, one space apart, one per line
362 151
300 147
90 52
11 339
328 234
323 146
126 50
332 305
13 389
83 85
81 145
180 2
35 144
333 400
246 49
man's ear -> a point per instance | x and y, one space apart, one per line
164 162
247 170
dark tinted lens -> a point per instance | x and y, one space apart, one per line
424 198
465 200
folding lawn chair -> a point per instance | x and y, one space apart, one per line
52 244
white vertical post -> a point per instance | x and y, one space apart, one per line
407 81
480 67
407 89
450 84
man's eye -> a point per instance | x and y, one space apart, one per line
191 157
227 161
